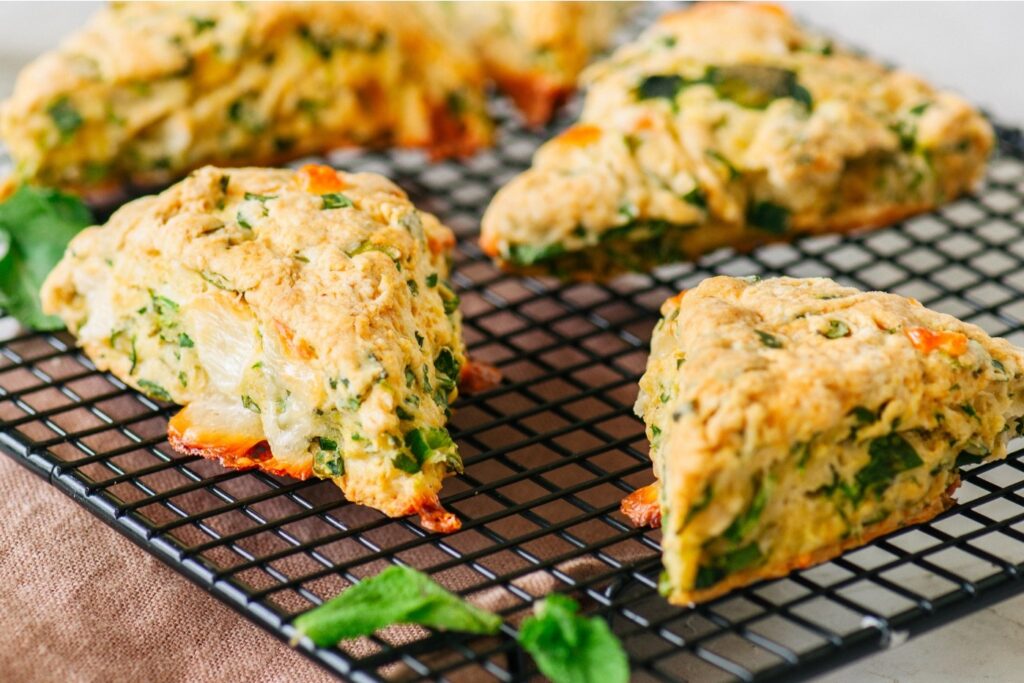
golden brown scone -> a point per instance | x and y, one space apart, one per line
148 91
729 125
791 419
304 319
535 51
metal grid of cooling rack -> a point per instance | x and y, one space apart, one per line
548 454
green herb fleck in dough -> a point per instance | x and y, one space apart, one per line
665 86
65 117
836 329
334 200
890 455
768 216
155 390
249 404
771 341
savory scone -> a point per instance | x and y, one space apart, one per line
148 91
791 419
729 125
304 319
535 51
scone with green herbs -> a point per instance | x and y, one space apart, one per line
729 125
791 419
146 92
304 320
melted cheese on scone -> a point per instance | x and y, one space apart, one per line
304 320
728 125
790 419
148 91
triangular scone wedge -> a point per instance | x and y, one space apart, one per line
791 419
535 51
728 125
304 319
148 91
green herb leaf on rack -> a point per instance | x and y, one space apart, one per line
36 225
398 595
570 648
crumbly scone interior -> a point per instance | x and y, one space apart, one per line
749 492
305 322
728 125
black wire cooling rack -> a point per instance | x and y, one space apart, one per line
549 454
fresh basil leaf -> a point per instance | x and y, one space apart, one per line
398 595
36 225
570 648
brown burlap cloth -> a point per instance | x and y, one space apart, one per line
81 603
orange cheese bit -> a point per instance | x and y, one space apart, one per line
772 8
433 516
489 243
926 340
187 433
320 179
296 348
440 242
476 377
672 302
641 506
580 135
643 123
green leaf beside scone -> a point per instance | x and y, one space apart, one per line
36 225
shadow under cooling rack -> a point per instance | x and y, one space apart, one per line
549 454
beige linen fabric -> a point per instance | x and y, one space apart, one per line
82 603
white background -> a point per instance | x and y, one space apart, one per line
975 48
